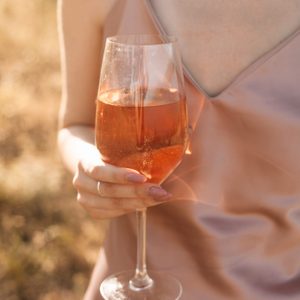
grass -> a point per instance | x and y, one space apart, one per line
48 245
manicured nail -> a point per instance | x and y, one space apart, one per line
135 177
155 191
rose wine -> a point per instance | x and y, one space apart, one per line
145 130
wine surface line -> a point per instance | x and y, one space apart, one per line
145 132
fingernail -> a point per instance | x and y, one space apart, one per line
155 191
135 177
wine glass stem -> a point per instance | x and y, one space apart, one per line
141 279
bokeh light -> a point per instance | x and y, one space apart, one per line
48 245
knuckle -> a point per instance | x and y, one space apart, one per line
82 200
97 172
89 168
75 180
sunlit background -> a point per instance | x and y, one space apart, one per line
47 243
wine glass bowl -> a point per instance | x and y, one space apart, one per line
149 137
141 123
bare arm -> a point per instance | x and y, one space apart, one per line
80 37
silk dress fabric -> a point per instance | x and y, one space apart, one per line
239 237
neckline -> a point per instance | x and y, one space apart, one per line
242 74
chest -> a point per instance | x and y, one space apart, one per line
219 39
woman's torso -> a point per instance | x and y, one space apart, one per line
241 239
218 38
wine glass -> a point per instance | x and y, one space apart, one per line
141 123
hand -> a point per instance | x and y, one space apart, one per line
106 191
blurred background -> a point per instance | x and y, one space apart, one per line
48 245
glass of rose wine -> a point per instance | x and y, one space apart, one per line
141 123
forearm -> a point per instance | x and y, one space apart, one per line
76 143
80 37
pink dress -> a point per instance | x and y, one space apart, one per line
240 239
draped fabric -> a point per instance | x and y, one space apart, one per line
239 236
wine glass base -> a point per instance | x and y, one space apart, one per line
163 287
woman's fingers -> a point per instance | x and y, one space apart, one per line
114 206
109 173
91 201
106 189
